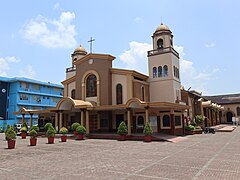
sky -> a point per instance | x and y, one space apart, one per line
38 37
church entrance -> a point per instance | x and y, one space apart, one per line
93 127
119 119
229 117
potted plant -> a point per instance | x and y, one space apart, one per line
23 132
33 137
80 132
50 132
122 131
147 132
189 129
74 127
10 136
36 128
63 131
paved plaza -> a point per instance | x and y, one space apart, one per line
204 156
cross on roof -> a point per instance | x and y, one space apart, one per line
91 41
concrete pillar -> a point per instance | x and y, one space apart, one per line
172 124
23 118
147 114
60 119
31 114
56 121
129 120
87 121
82 117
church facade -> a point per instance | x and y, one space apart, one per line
100 97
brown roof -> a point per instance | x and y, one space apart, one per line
225 99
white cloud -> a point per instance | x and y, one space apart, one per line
57 6
136 57
211 45
51 33
5 63
27 72
137 19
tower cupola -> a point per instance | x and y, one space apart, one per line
78 53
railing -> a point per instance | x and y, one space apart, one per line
70 69
162 51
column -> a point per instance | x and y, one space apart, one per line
23 118
82 117
56 121
129 120
61 119
172 124
98 92
31 114
147 114
87 121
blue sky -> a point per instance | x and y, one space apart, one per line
38 37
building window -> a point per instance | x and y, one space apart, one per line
154 72
36 98
91 86
35 87
166 121
24 85
23 97
119 93
238 111
143 93
174 71
73 94
178 121
55 100
159 71
165 71
140 122
160 44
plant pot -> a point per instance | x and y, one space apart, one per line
75 132
24 135
11 144
64 138
50 140
122 137
33 141
80 136
148 138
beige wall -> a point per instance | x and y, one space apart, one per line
232 108
71 86
119 79
70 74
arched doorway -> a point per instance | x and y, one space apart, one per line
229 117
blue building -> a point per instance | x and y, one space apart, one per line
16 93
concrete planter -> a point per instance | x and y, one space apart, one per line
11 144
64 138
24 135
192 132
147 138
50 140
33 141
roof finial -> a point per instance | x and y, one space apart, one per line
161 21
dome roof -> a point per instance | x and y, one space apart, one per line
80 49
162 27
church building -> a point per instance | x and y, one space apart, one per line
100 97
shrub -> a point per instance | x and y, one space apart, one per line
74 126
122 128
48 125
147 130
193 123
33 133
63 130
23 129
8 127
50 132
25 125
36 128
189 128
10 134
199 119
81 130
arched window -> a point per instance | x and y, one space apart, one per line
160 44
73 94
165 70
143 93
91 86
154 72
119 93
166 121
159 71
238 111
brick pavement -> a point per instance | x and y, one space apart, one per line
205 156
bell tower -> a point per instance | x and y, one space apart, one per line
163 64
